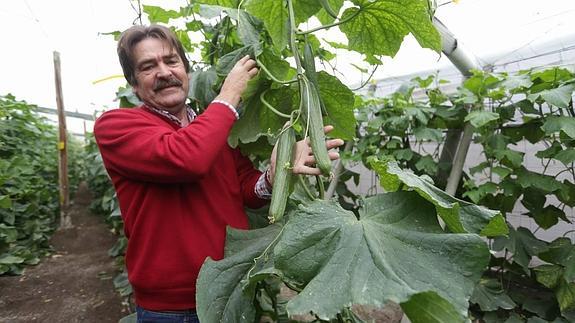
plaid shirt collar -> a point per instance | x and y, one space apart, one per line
191 114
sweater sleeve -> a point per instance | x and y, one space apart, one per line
141 148
248 177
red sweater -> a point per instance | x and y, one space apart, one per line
178 189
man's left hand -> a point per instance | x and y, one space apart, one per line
304 161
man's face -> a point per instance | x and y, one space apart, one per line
162 81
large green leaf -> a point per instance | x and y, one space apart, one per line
304 9
222 3
509 157
222 294
490 295
202 87
479 118
459 216
380 26
279 68
257 120
556 124
247 26
324 17
566 156
424 133
338 100
567 193
566 297
559 97
248 29
428 307
522 244
343 261
274 15
5 202
529 179
157 14
227 62
548 275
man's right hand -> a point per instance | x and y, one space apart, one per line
237 80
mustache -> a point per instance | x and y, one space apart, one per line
166 82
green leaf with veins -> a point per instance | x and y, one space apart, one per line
157 14
247 26
304 9
223 295
459 216
566 156
227 62
338 100
258 120
340 260
523 245
548 275
551 151
424 133
324 17
222 3
379 27
275 17
559 97
202 87
429 307
490 295
479 118
546 183
555 124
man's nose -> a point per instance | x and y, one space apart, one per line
164 70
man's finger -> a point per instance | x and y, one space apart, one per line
243 59
327 128
334 143
333 155
306 170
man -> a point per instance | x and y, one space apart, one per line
178 182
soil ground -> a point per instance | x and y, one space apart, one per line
74 284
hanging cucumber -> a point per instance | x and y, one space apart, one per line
327 7
308 64
310 110
283 174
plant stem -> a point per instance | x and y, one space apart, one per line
320 186
271 76
292 33
368 79
305 188
337 172
269 106
330 25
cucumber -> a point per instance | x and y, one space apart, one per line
283 174
327 7
308 63
310 110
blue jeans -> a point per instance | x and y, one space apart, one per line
146 316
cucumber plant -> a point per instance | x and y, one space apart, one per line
333 259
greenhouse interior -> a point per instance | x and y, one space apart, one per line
287 161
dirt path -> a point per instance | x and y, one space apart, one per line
72 285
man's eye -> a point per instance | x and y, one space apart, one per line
146 67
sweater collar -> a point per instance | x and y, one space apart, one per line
172 118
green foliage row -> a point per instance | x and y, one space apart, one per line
534 108
29 194
105 204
